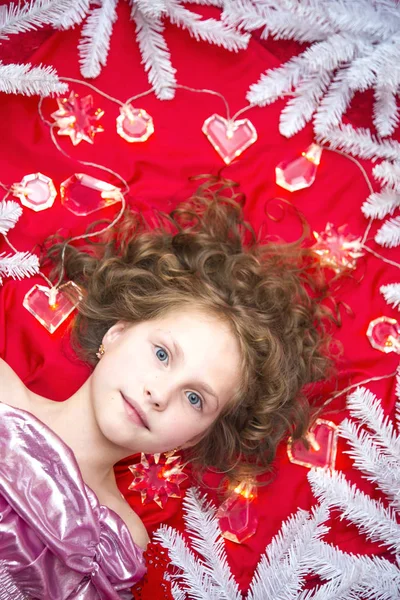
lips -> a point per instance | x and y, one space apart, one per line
134 412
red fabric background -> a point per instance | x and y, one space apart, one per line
158 172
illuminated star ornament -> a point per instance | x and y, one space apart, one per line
77 118
337 249
158 478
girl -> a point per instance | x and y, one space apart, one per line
201 339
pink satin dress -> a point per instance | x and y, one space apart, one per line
57 542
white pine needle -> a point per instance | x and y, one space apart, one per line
370 459
380 204
209 30
386 111
17 18
371 517
365 407
389 234
18 265
155 54
202 525
74 15
388 173
28 80
391 293
95 41
193 574
153 9
10 212
281 570
359 142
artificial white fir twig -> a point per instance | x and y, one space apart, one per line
202 526
391 293
389 234
18 265
95 41
17 18
380 204
28 80
155 53
10 212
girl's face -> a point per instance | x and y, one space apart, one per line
162 383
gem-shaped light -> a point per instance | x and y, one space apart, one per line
322 438
157 477
237 516
384 334
229 138
299 173
51 306
337 249
134 124
83 194
36 191
77 118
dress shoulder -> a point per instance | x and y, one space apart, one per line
56 540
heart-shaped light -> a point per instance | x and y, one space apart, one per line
51 306
322 438
229 138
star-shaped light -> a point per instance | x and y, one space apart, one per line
77 118
337 249
157 477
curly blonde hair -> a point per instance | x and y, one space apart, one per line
204 254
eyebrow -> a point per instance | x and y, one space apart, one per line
179 352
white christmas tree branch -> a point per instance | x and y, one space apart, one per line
370 459
18 265
389 234
74 15
359 142
388 173
333 489
10 212
209 30
95 41
193 574
203 527
17 18
391 293
386 111
380 204
364 406
155 53
281 570
28 80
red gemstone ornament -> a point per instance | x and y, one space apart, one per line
51 306
134 124
229 138
299 173
157 477
337 249
237 516
83 194
36 191
77 118
322 438
384 334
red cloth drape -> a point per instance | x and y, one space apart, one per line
158 173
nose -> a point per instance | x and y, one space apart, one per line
156 396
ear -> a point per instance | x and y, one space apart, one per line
114 333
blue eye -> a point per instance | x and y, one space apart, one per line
162 354
195 400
